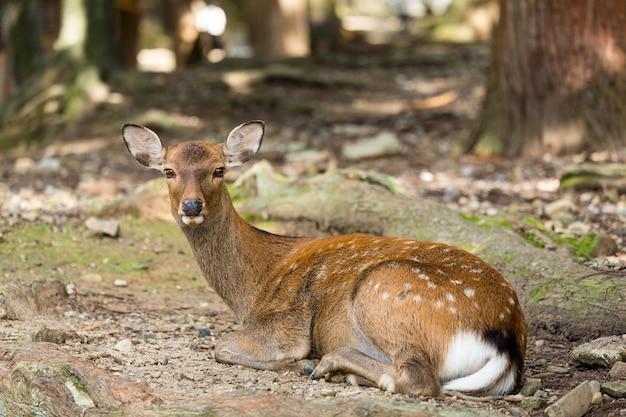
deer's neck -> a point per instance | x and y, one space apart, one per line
234 257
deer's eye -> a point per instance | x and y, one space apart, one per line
169 173
219 172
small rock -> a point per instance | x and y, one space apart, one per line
596 398
105 227
277 388
385 143
573 404
46 334
23 165
616 389
203 332
606 246
594 386
618 371
531 386
578 229
193 345
70 289
600 353
559 207
48 165
30 216
328 393
557 369
533 403
120 283
124 345
91 278
516 411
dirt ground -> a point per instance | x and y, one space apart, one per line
161 304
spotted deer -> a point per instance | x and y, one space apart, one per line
407 316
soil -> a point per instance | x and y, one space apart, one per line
164 307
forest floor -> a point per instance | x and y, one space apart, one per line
142 286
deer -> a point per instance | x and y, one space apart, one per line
406 316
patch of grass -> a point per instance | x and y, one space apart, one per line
145 251
533 239
477 220
582 247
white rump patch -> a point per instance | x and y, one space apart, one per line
473 365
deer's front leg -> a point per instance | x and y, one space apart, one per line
267 349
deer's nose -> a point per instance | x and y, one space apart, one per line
191 206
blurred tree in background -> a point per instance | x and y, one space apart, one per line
59 55
557 79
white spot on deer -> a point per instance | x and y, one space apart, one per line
452 310
294 266
456 282
393 265
476 271
469 292
431 285
508 310
501 315
385 295
407 286
511 301
438 304
431 247
417 298
450 297
377 286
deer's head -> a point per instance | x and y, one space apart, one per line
194 170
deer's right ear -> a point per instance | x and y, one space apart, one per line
144 145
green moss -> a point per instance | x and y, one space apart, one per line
533 239
151 250
534 223
583 247
477 220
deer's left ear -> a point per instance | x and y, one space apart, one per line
144 145
243 143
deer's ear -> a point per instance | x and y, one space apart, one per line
243 143
144 145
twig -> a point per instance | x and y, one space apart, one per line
620 272
490 398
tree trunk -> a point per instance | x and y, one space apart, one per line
279 28
62 89
24 36
557 79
